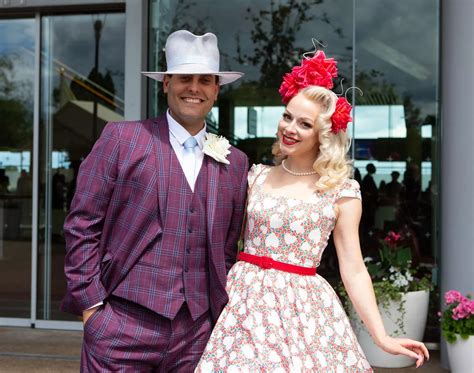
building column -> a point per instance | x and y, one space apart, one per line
457 148
136 49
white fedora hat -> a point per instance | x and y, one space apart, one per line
187 53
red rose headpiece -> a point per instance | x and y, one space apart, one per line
317 70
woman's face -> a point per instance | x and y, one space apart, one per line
298 129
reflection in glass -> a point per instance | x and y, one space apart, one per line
82 77
16 128
263 39
260 38
396 127
393 117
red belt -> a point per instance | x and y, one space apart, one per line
266 263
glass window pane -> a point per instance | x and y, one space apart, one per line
396 117
395 121
396 126
263 39
82 80
16 140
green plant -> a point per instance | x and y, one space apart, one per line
457 318
392 275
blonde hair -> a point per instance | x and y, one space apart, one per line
332 163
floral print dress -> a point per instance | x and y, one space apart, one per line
277 321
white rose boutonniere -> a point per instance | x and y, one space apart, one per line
217 147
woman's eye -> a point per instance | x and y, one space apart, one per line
286 116
307 125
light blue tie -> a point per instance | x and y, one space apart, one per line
190 144
189 158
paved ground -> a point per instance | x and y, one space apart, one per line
52 351
38 350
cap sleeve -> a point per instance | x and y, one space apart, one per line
350 188
254 171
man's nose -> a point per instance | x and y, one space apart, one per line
194 84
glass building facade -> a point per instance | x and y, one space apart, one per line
396 128
58 89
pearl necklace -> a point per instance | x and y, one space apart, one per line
297 173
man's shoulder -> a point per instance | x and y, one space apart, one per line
131 127
137 123
238 155
237 152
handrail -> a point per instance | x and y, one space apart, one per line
70 69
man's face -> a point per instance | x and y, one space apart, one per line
190 98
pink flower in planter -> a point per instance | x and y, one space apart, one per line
468 305
460 312
452 296
464 309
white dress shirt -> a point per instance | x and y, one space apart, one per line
178 135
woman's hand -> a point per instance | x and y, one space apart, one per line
404 346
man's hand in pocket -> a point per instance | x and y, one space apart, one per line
88 313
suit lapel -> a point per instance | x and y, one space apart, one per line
163 161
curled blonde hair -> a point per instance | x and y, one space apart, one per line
332 163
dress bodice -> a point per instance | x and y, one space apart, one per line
291 230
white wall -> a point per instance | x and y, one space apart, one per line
457 147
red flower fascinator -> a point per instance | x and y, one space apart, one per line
341 116
320 71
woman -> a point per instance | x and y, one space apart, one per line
281 316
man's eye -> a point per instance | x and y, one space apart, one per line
206 79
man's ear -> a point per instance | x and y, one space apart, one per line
166 82
217 91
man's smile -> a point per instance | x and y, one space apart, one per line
192 100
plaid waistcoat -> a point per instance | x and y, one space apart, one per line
175 269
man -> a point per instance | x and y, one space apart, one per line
154 223
394 188
370 195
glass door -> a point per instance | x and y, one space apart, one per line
82 88
17 46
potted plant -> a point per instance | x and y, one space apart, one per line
402 293
457 326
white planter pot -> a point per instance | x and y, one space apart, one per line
461 355
414 322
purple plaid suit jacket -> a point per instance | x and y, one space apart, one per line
120 205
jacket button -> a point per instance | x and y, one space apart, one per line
181 290
191 210
186 269
188 250
190 230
